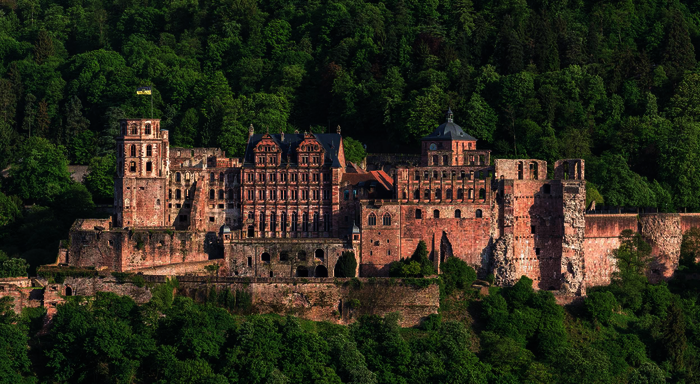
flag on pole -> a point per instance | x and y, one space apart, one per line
143 90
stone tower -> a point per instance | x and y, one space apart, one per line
142 173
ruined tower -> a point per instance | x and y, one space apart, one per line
142 171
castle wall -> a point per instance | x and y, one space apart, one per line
266 257
602 237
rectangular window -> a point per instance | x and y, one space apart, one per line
261 195
326 194
250 176
283 195
250 261
273 177
273 195
532 229
283 177
304 195
294 195
315 176
304 177
293 177
537 251
211 219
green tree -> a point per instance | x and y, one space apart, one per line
601 305
100 178
346 265
354 150
41 173
456 274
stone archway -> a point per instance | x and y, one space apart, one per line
321 271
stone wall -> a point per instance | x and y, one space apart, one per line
324 299
333 300
122 250
285 257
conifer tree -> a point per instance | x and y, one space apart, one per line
679 53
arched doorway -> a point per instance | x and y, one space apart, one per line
302 272
69 291
251 231
319 254
321 271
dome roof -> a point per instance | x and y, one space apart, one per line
449 131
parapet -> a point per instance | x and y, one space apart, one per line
521 169
569 169
142 129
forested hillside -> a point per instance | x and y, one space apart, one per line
614 82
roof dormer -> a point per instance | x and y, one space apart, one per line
267 152
310 152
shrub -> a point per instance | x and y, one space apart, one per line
432 322
346 265
600 306
456 274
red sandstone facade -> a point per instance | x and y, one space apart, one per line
292 205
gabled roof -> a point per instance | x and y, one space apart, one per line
329 141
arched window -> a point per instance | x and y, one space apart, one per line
318 254
479 214
520 170
212 177
134 129
273 221
444 160
565 168
534 171
133 150
229 194
436 214
386 220
221 194
372 220
435 160
458 214
178 194
178 177
448 193
438 194
460 194
170 194
147 131
149 150
262 221
305 222
471 193
265 258
416 194
221 176
301 255
426 194
212 194
316 221
419 214
132 166
482 193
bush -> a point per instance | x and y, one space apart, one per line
432 322
10 267
600 306
456 274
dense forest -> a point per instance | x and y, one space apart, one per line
628 332
614 82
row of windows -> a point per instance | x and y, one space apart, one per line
212 177
149 150
306 225
293 177
386 219
135 129
481 175
448 194
132 166
283 195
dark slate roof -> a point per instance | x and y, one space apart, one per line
330 142
449 131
